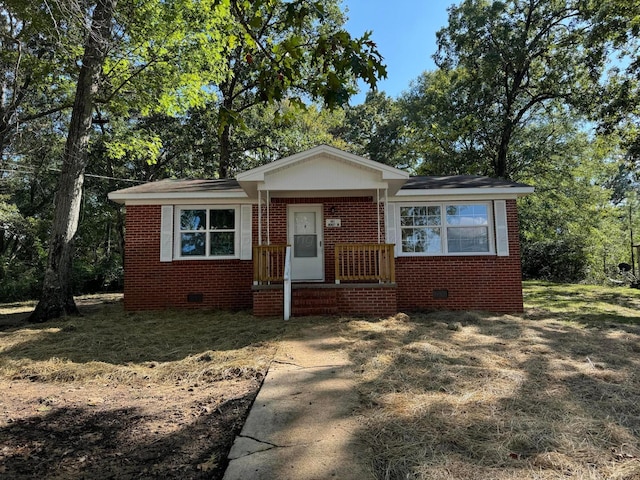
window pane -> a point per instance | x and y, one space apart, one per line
221 243
419 216
421 240
193 220
304 223
464 215
468 239
222 219
192 244
305 246
406 221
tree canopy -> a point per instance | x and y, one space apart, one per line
541 91
138 58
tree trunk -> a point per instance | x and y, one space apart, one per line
224 161
500 165
57 293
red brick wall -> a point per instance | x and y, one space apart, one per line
376 301
473 282
359 224
150 284
268 302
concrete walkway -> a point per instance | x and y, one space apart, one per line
301 425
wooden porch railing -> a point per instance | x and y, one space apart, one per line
268 263
365 261
353 262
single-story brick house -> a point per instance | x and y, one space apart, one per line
365 238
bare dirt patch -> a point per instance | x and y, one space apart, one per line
119 395
63 431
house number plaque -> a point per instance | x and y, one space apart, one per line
333 222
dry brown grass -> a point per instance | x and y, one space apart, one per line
551 394
111 345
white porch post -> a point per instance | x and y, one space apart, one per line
268 219
287 283
259 217
378 211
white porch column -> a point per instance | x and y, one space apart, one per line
378 211
268 219
259 217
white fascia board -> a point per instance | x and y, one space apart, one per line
495 193
328 188
160 198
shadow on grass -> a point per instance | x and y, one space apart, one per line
113 336
80 443
588 304
501 397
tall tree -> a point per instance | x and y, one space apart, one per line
124 69
444 135
57 296
613 44
36 58
296 51
375 129
164 56
510 61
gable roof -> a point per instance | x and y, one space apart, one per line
459 181
180 189
322 168
463 186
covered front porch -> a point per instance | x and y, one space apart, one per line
331 208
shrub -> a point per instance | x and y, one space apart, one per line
558 260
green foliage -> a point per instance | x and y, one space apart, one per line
444 135
21 254
376 130
505 64
284 54
613 45
170 55
557 259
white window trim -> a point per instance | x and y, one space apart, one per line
177 251
443 226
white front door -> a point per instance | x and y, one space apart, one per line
305 237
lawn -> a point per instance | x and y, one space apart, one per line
127 395
552 393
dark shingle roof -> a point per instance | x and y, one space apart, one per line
184 186
227 185
458 181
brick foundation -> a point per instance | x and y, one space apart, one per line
359 299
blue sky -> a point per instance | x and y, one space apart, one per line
405 32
